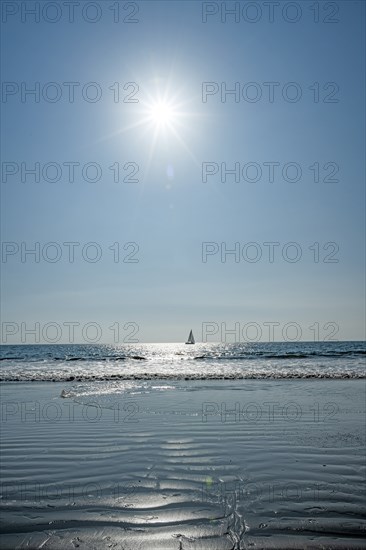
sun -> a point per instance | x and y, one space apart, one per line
162 114
163 117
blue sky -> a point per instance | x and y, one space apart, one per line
169 53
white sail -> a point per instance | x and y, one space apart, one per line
190 338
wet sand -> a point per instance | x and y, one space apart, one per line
183 465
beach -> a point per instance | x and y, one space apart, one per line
182 352
183 464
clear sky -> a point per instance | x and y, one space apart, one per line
177 123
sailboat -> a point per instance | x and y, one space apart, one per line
190 338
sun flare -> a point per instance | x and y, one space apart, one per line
163 117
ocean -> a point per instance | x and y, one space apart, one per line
70 363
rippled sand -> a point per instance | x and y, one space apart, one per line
183 465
